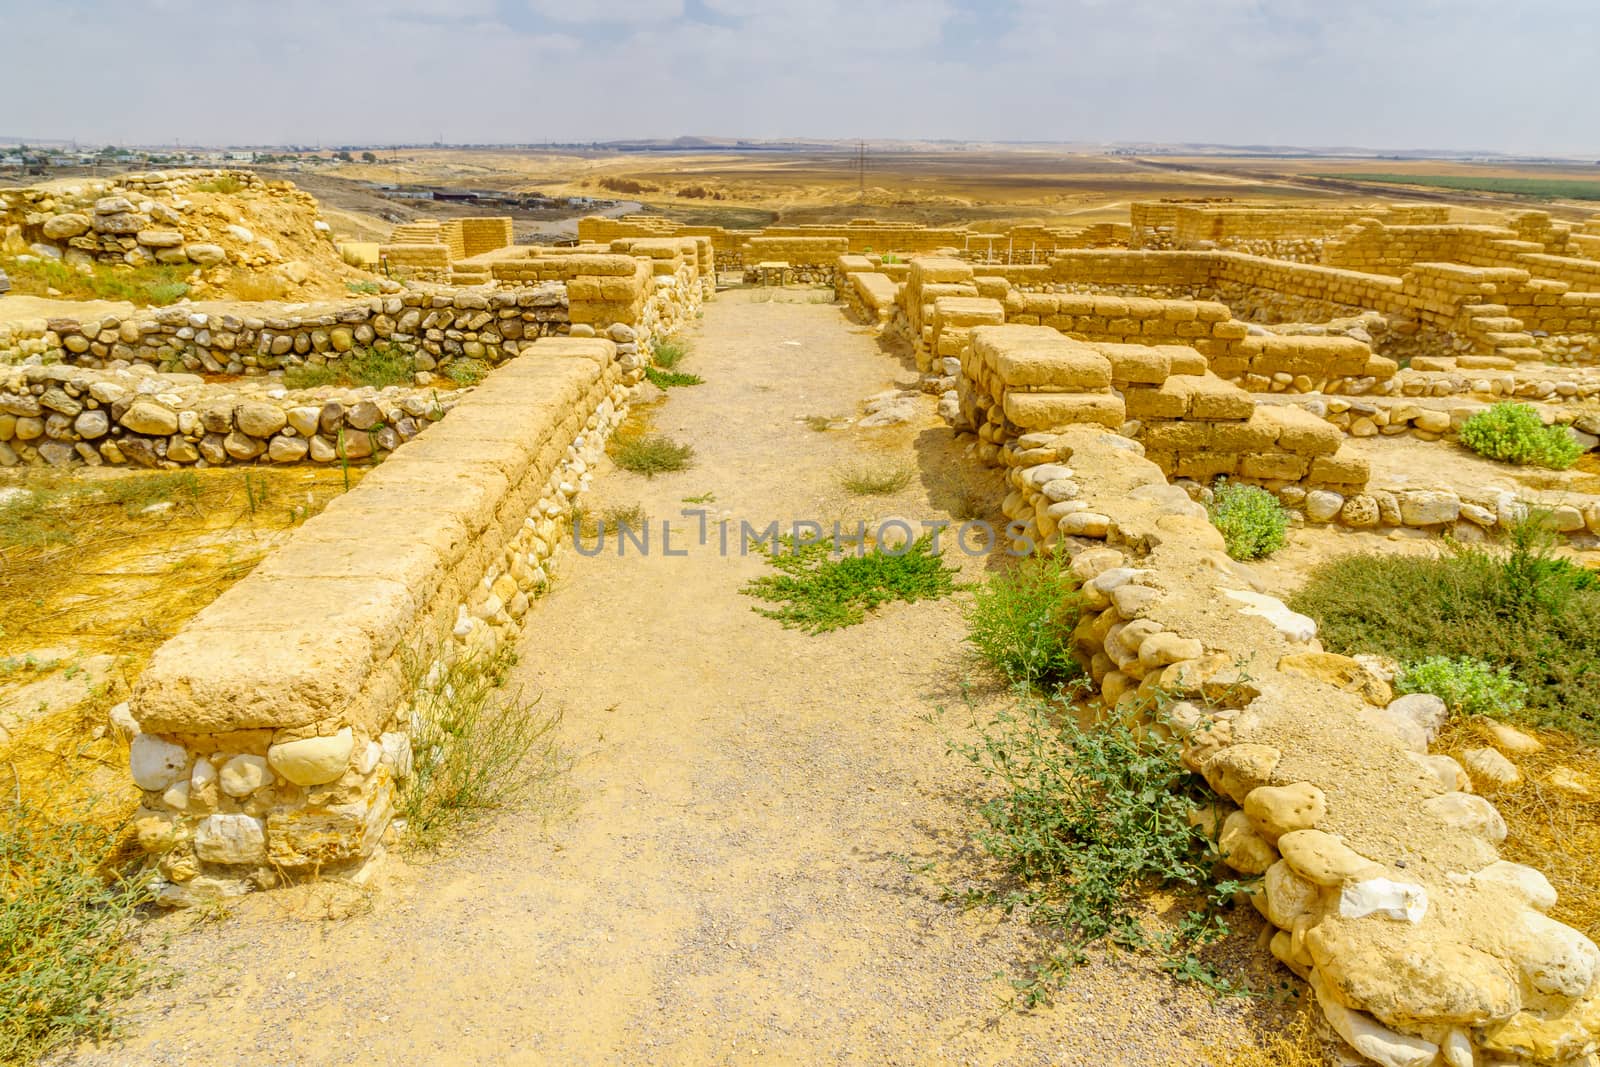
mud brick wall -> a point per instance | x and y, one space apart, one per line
276 723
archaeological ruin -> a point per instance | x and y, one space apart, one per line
1106 376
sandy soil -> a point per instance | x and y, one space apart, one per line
757 824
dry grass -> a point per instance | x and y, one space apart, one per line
1298 1044
875 478
1553 830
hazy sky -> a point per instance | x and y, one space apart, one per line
1483 74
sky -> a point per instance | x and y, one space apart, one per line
1384 74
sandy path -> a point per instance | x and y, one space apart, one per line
739 874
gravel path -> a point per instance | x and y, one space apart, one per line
754 830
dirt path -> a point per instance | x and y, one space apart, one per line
740 873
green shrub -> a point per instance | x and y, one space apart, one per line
1085 820
368 288
875 479
310 376
64 926
1521 608
1514 433
820 592
1469 686
668 354
1252 522
1021 621
475 746
651 454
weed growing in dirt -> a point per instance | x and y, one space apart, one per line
611 520
137 494
364 288
155 285
378 367
651 454
476 746
1522 607
467 371
668 354
1252 522
1085 820
1514 433
64 926
819 423
1020 622
668 379
1468 685
875 479
819 591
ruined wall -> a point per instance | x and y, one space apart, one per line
60 416
1378 868
276 723
433 327
190 218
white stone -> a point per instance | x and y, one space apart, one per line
1527 882
1426 710
1404 901
231 839
243 775
202 776
1467 812
123 722
397 753
1554 958
314 760
1322 505
155 763
1291 624
1489 769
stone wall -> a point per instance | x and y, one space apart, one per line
161 217
434 326
275 724
1378 867
60 416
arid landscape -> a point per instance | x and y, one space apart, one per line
1027 586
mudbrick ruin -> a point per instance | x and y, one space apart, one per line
1110 374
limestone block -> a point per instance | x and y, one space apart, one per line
1278 810
156 764
230 838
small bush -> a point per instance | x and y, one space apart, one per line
820 592
651 454
475 746
1514 433
1469 686
64 926
819 423
1021 621
668 354
1525 609
875 479
1252 522
667 379
1085 820
137 493
366 288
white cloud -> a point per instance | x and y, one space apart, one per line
624 12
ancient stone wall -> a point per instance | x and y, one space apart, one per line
62 415
140 219
434 327
1378 866
277 722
